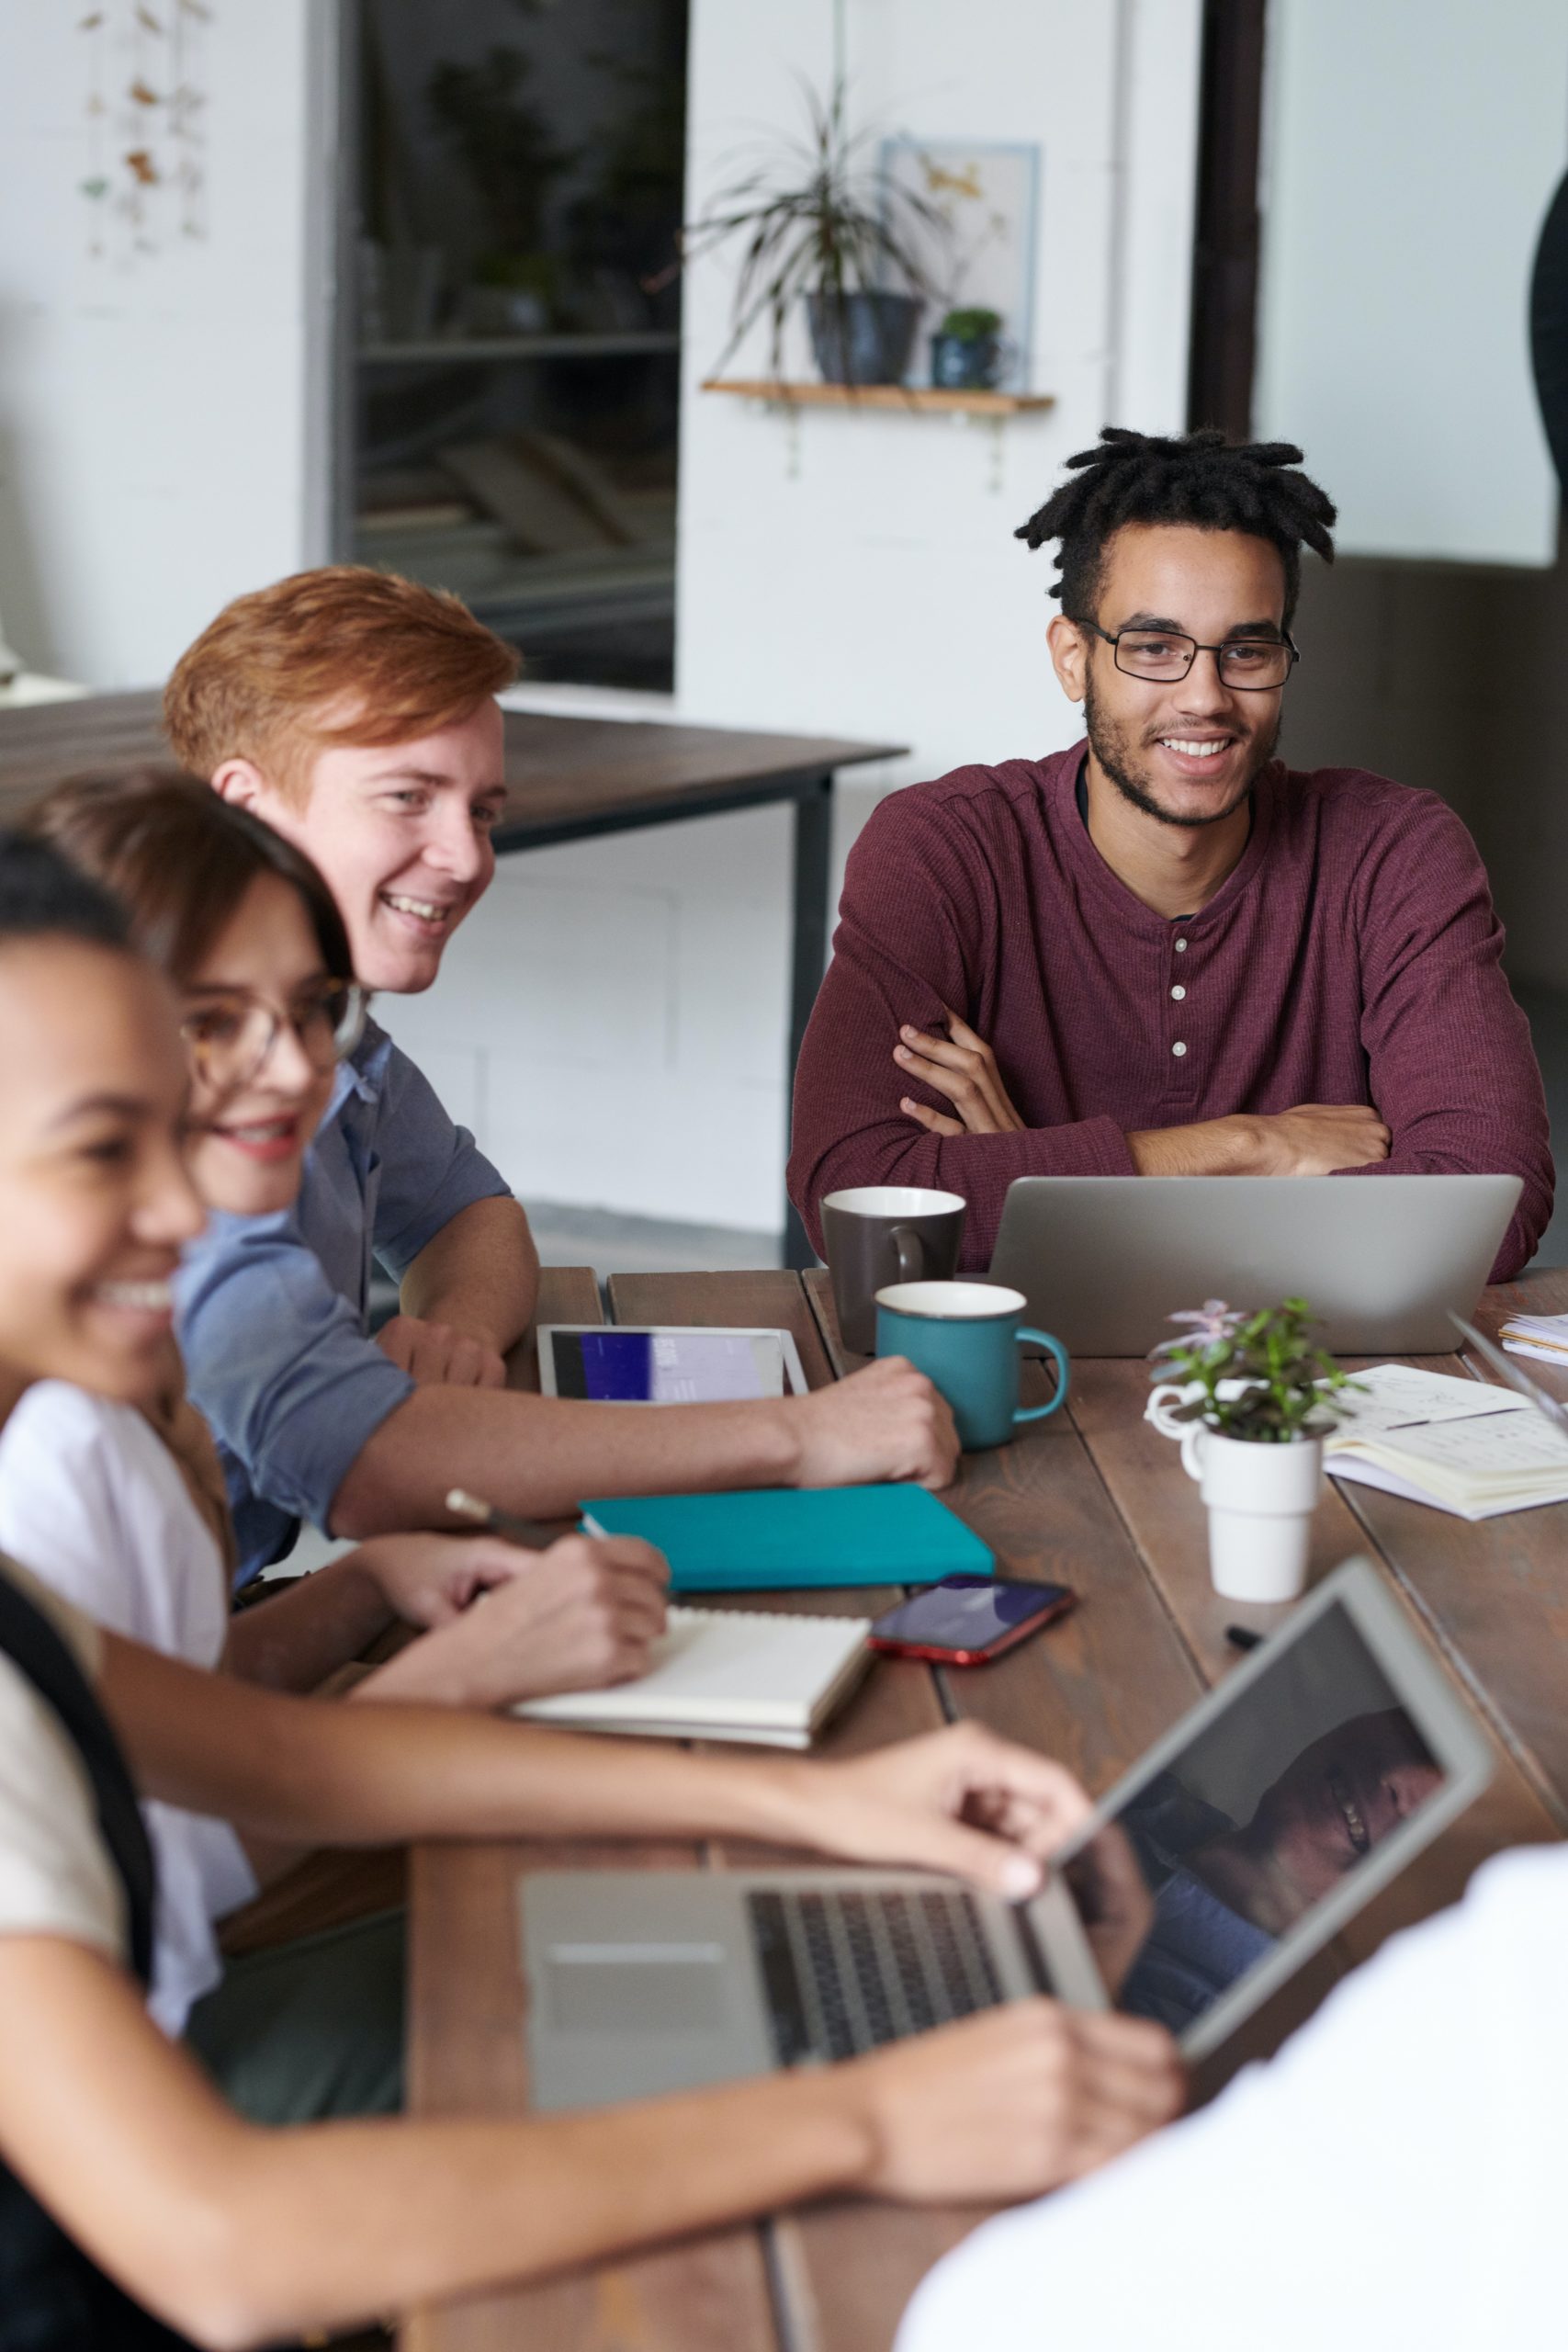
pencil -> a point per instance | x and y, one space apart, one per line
530 1532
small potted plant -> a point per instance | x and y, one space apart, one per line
1250 1397
821 222
967 351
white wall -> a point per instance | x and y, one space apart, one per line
855 572
865 584
1411 150
156 431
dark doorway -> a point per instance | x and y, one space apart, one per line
515 386
1224 270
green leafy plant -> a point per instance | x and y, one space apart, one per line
1291 1385
972 326
818 218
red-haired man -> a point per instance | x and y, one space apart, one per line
356 713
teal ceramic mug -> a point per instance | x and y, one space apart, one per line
964 1337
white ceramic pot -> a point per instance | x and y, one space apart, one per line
1260 1501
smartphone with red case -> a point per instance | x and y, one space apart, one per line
967 1620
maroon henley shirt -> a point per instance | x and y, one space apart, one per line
1352 956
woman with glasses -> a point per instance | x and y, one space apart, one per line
122 1508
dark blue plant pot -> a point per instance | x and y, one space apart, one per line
863 338
965 363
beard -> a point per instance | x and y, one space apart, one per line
1115 749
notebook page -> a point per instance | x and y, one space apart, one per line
713 1667
1399 1395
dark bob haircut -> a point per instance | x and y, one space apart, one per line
44 896
179 859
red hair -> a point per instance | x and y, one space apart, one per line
340 655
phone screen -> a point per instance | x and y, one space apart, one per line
966 1612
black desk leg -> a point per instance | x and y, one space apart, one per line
813 852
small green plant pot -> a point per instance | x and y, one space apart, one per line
961 363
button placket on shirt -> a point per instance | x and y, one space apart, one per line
1181 1062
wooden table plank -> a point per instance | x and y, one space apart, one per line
1505 1631
466 2006
1094 1690
560 771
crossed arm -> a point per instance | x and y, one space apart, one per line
1313 1139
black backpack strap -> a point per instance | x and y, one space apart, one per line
51 2298
29 1639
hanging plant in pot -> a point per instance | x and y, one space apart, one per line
822 224
1250 1397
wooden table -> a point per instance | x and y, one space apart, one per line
567 780
1092 1498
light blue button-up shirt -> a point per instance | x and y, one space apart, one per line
274 1311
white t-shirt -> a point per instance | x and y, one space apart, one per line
56 1878
1395 2177
94 1503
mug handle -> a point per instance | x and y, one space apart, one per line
1158 1411
911 1252
1052 1348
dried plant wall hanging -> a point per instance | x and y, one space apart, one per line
146 116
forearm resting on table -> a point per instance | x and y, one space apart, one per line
294 1640
239 2235
1212 1147
480 1274
306 1769
540 1455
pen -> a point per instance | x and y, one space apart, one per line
530 1532
1241 1637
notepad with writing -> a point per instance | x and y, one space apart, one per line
1459 1445
798 1539
737 1674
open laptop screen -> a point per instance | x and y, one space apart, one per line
1209 1860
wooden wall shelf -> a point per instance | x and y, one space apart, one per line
918 400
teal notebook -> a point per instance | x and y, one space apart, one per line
789 1539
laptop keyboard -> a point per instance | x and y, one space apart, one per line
844 1973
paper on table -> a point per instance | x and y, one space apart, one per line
1526 1446
1365 1473
1398 1395
1477 1468
1544 1336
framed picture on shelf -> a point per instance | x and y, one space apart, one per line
988 193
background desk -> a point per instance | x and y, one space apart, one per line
567 779
1092 1498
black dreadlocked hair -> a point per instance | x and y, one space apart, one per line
1198 478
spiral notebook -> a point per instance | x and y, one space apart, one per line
749 1674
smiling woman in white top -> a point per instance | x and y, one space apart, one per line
239 2235
95 1500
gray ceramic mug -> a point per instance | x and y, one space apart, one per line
878 1234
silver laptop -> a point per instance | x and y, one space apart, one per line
1384 1261
1235 1849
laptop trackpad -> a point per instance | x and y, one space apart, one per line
635 1988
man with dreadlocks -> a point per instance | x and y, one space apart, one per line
1162 952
